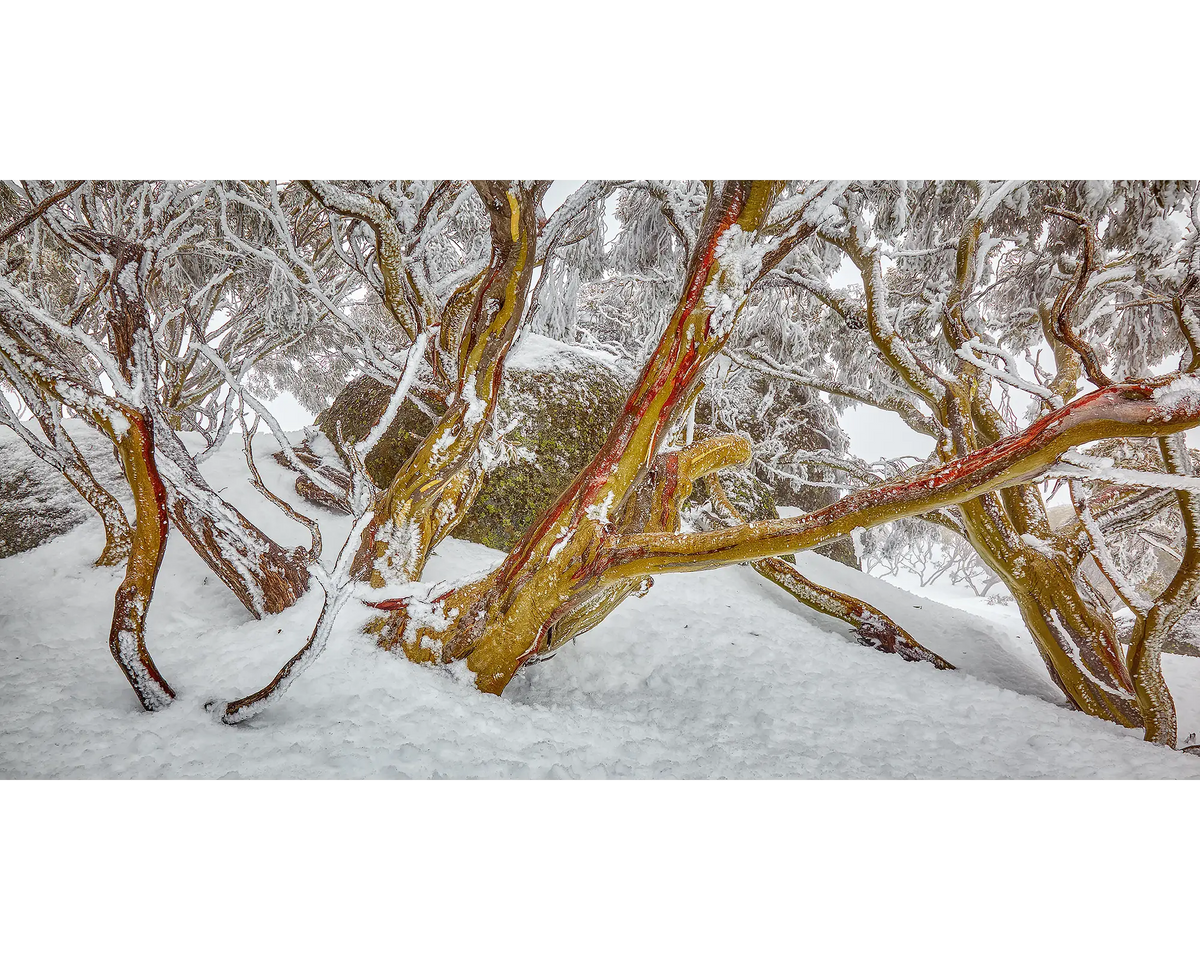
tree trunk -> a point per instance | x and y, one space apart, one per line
433 491
127 636
266 577
1152 629
871 625
499 622
574 555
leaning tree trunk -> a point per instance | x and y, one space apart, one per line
499 622
127 636
872 626
129 430
1073 633
1157 622
264 576
1153 627
1076 640
598 543
434 490
118 538
553 584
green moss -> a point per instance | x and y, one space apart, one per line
564 415
359 406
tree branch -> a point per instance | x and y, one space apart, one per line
1147 408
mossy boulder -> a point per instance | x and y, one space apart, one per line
563 398
565 414
358 408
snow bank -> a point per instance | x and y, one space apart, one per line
715 674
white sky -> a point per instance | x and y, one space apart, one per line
288 411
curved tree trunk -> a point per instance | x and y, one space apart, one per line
61 452
128 429
1069 625
1152 628
1076 641
574 554
127 636
501 621
266 577
118 538
433 491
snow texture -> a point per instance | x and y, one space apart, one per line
716 674
532 351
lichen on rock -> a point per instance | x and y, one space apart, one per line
358 408
564 415
561 401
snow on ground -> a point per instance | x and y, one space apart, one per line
716 674
1182 673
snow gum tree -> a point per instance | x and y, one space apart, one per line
154 309
101 313
1082 281
617 523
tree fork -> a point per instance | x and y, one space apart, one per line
553 571
653 506
564 562
263 575
62 453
